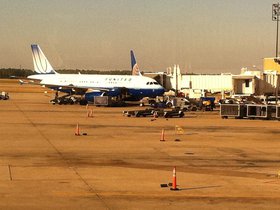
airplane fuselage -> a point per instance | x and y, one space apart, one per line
135 86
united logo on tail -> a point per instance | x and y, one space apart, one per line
134 65
41 63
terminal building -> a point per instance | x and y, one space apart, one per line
248 82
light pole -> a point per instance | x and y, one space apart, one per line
275 17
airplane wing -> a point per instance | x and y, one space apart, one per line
76 89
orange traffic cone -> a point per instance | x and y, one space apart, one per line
91 113
162 135
155 115
77 132
174 181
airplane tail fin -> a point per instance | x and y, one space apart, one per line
40 61
134 65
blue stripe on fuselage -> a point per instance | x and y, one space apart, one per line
134 94
146 92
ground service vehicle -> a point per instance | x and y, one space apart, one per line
174 113
4 96
144 113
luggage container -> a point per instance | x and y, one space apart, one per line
261 111
102 100
278 112
238 111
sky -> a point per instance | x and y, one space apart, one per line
202 36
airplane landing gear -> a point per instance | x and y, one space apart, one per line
66 99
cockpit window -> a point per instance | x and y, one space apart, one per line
152 83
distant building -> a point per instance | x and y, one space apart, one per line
248 82
271 64
196 85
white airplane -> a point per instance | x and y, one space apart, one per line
127 87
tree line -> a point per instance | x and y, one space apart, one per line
23 73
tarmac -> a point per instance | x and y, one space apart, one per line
121 162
